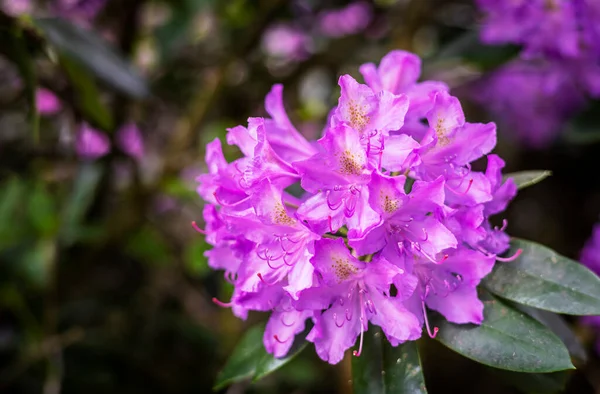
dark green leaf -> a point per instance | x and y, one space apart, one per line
42 211
87 94
543 279
242 363
469 47
384 369
525 179
535 383
173 34
250 359
269 364
81 197
507 339
17 50
37 261
91 51
12 195
559 327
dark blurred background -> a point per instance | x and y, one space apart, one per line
103 284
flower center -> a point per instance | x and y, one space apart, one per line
350 164
343 268
357 116
280 216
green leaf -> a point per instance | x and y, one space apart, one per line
535 383
42 210
16 47
92 52
82 196
12 195
269 364
37 262
525 179
250 359
468 47
560 327
543 279
173 34
384 369
87 94
506 339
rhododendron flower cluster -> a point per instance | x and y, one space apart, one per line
559 64
392 220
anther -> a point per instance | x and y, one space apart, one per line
511 258
279 340
435 329
198 229
221 303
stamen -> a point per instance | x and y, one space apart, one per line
282 319
511 258
335 321
504 225
219 201
198 229
221 303
330 224
362 328
435 329
333 206
461 193
279 340
264 281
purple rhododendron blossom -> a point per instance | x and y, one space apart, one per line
83 10
558 67
351 19
90 143
46 102
590 257
286 42
16 7
533 100
391 219
130 141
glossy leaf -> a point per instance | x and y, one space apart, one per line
384 369
543 279
525 179
88 49
269 364
87 94
533 383
507 339
15 47
560 327
172 35
82 195
42 210
250 359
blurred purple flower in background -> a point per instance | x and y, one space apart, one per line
560 63
46 102
590 257
531 100
90 143
130 141
84 10
345 21
286 42
16 7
